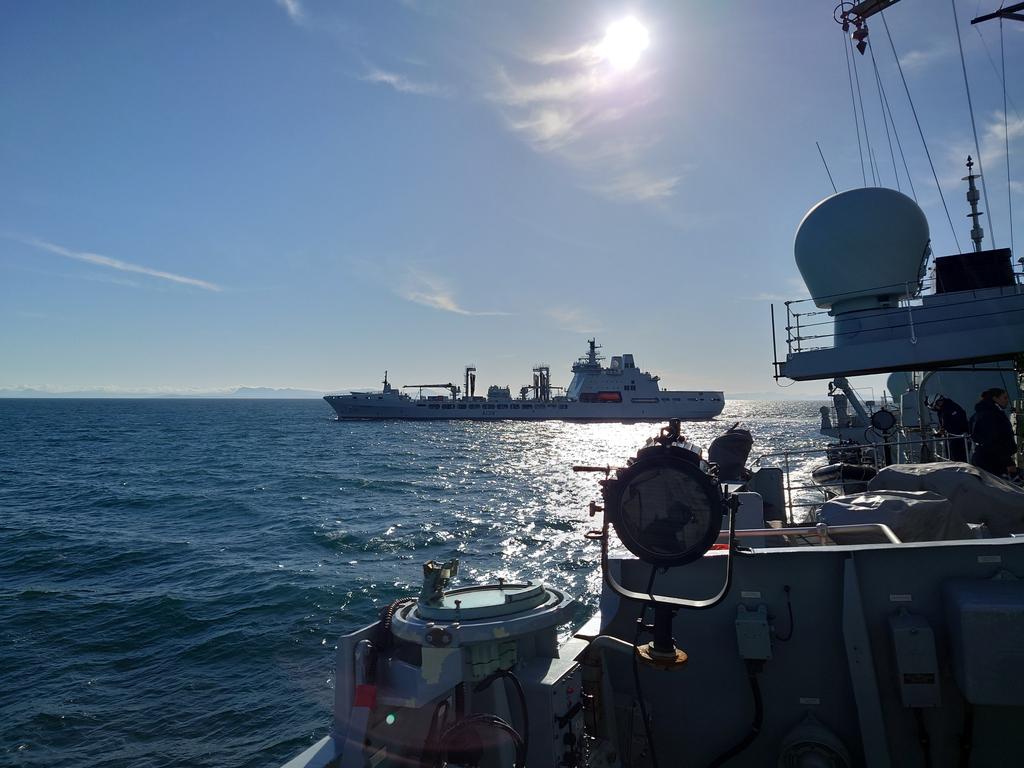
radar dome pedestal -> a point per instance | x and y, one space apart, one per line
862 249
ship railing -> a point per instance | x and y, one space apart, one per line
809 328
803 496
819 533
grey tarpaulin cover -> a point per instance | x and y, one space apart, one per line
912 515
977 496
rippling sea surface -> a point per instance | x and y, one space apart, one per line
174 574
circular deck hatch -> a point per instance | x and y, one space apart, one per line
485 602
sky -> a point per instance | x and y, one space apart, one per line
295 193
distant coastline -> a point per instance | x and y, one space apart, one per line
271 393
238 393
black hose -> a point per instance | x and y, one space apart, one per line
523 708
430 753
753 667
789 608
967 738
488 721
922 738
636 673
460 701
385 640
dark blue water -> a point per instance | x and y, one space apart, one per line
174 574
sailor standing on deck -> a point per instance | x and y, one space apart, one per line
953 420
994 443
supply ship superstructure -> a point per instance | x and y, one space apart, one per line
618 392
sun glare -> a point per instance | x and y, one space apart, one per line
623 43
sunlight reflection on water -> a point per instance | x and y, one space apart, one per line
233 542
504 499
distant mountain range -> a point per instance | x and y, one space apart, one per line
251 393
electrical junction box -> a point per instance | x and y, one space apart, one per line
913 643
554 696
986 632
753 635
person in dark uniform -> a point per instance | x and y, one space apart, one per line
953 420
994 443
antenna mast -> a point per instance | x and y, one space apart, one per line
977 233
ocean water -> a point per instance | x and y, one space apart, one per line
174 574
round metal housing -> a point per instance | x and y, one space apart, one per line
665 509
883 420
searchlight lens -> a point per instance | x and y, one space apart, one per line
665 509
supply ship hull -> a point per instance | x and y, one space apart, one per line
689 406
620 392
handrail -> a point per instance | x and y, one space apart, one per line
921 285
864 446
821 530
884 453
801 325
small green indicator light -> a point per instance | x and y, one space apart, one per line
390 718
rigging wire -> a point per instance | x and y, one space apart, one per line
992 61
974 127
863 118
826 168
885 122
899 146
920 132
1006 132
896 134
853 101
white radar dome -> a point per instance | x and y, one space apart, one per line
899 382
862 248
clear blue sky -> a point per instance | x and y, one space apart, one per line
302 194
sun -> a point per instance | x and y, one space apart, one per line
623 43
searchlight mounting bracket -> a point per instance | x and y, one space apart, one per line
664 498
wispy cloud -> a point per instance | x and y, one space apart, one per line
795 289
997 133
639 186
112 263
552 89
767 296
433 291
573 319
294 10
570 103
549 128
403 84
588 53
993 154
919 60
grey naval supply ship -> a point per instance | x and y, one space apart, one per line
619 392
857 604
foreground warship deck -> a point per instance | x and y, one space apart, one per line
834 632
880 623
840 655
